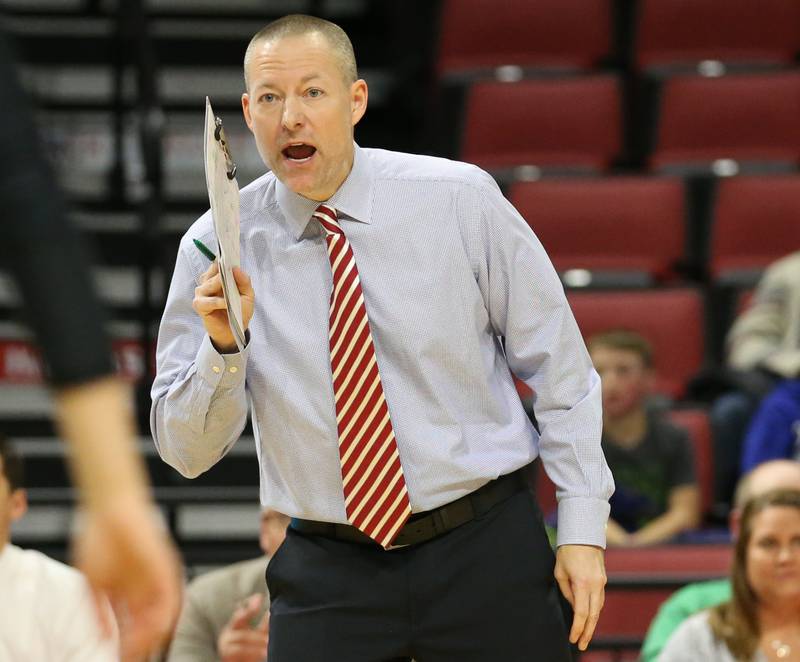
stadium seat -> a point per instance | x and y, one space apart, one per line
545 491
640 579
744 299
677 32
627 613
672 320
559 123
592 655
625 230
695 422
668 562
755 221
481 35
750 118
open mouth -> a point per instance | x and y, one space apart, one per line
298 152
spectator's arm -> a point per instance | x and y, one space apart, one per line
195 638
616 536
683 513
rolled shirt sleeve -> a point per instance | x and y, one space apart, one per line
199 406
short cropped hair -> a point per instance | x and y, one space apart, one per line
12 465
625 340
745 488
296 25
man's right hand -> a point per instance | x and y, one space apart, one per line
239 641
210 305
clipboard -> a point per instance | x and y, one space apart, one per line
223 195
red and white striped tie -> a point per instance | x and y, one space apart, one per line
375 494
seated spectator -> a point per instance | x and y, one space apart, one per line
763 348
656 496
46 608
693 598
761 621
774 431
767 335
225 612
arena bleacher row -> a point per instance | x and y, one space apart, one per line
652 145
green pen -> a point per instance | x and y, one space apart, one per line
204 249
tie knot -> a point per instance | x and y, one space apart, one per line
327 218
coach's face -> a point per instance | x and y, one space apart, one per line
302 111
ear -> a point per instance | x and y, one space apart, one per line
19 504
246 110
358 100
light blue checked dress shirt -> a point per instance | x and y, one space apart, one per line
447 266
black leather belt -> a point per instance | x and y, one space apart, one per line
425 526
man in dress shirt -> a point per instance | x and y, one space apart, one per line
458 293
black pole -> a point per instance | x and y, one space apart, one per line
149 118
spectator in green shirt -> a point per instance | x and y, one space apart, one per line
693 598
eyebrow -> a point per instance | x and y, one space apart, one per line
305 79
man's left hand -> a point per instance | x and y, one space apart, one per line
581 576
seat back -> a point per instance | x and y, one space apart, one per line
571 122
735 31
756 220
609 224
748 118
553 34
672 320
696 423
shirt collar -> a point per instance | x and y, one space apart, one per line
353 199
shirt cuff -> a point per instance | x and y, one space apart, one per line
582 521
220 370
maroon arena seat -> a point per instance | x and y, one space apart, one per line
552 34
748 118
545 491
628 611
672 320
610 224
744 299
668 561
756 220
569 122
734 31
609 655
695 422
